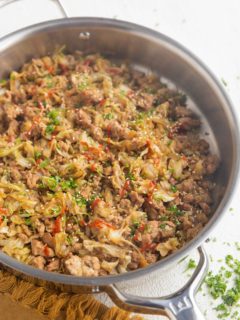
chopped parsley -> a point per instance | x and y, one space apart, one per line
174 209
53 115
50 183
225 285
108 116
134 228
56 211
216 285
44 163
28 221
163 226
37 154
49 129
69 184
83 84
80 200
163 218
173 188
130 176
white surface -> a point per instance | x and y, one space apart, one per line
210 29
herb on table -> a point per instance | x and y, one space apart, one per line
224 82
216 284
191 265
225 285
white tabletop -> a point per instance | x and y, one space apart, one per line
211 30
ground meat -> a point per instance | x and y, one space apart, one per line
211 163
83 119
24 238
91 266
96 132
53 265
40 227
192 232
154 209
168 229
86 266
134 144
151 257
188 123
203 146
136 199
39 249
73 265
116 131
144 101
91 96
13 128
135 261
48 239
187 185
32 180
12 111
182 112
125 205
38 262
15 174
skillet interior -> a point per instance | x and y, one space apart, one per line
151 50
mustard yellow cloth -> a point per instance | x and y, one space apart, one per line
42 303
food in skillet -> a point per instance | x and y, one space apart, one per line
102 168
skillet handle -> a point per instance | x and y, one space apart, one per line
180 305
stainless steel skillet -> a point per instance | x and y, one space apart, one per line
150 50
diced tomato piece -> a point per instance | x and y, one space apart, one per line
46 251
99 224
3 210
57 225
95 203
124 188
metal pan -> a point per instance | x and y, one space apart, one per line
150 50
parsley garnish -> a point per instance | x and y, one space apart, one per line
53 115
44 163
174 209
37 154
163 226
69 184
49 129
173 188
108 116
80 200
134 227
